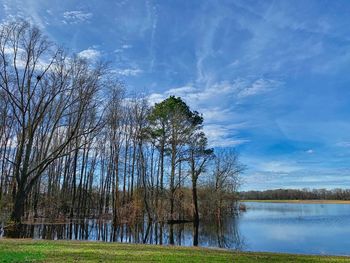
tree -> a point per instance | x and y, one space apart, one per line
49 97
226 178
198 157
172 123
114 139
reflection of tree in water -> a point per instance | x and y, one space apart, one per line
76 230
228 234
223 233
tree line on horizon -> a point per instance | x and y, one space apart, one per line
296 194
74 146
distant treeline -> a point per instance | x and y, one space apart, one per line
295 194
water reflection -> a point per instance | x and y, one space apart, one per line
221 233
274 227
297 228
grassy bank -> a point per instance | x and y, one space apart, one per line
25 250
302 201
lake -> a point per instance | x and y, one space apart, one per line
275 227
296 228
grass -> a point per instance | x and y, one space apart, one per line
301 201
27 250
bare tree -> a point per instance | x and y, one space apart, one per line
45 91
225 179
198 157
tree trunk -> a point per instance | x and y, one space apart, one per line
18 208
17 213
195 211
172 193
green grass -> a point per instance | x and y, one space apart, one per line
25 250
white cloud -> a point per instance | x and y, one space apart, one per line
122 48
279 167
27 10
223 91
128 71
182 90
90 54
6 8
76 17
126 46
221 135
155 98
218 115
258 87
153 14
345 144
289 175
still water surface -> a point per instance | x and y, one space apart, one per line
296 228
274 227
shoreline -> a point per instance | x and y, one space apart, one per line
20 250
300 201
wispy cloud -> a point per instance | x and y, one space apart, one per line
259 86
127 71
344 144
28 10
122 48
221 135
225 90
90 54
279 167
126 46
76 17
153 16
221 122
302 178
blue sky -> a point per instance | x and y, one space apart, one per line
271 77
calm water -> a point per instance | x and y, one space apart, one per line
296 228
274 227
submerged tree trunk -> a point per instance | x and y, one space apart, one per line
172 192
195 212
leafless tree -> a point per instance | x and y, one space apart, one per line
45 93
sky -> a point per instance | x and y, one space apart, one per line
271 78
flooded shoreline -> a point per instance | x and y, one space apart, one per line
297 228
